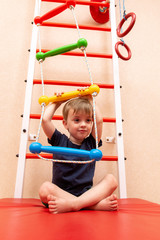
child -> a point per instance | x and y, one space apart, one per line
71 188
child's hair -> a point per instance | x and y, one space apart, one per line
77 104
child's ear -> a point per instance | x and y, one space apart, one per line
65 123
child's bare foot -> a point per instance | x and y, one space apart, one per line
60 205
108 204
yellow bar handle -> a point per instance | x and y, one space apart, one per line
93 89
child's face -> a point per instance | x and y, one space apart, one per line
79 125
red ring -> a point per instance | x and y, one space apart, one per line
97 15
133 15
126 47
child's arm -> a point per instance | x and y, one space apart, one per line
47 124
99 122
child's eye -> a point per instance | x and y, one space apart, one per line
89 120
76 120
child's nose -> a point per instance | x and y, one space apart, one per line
83 123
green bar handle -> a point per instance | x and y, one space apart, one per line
80 43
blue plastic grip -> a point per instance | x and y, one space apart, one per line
93 154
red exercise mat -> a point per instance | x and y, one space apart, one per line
27 219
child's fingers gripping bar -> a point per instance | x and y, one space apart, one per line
68 95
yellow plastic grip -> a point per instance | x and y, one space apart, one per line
68 95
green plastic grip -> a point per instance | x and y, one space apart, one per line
80 43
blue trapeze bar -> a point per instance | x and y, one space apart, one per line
93 154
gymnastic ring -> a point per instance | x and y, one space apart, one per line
98 13
133 15
126 47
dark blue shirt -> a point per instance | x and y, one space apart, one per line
71 177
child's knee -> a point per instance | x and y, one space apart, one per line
112 181
45 189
